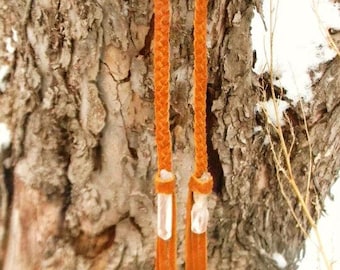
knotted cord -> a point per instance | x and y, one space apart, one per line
166 249
200 182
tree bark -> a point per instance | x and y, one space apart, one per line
76 184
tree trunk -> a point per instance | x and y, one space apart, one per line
76 184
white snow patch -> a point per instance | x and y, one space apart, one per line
328 226
4 70
266 140
269 108
299 45
279 260
257 129
15 35
5 136
329 151
9 47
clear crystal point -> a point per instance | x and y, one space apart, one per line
199 214
164 216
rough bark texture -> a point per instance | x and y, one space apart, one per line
76 189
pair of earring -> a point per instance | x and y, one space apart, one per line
200 183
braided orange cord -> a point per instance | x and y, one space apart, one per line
200 86
161 82
166 249
196 244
